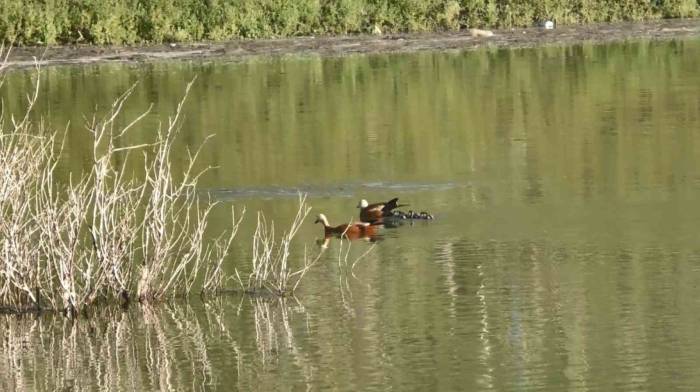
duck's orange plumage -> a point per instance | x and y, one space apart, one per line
376 211
350 230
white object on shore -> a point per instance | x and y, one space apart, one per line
376 30
480 33
549 25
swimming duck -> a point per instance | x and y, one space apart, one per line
350 230
376 211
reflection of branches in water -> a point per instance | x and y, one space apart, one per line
112 351
164 347
343 284
41 354
345 270
444 255
215 321
486 379
272 323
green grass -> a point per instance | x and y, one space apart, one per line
39 22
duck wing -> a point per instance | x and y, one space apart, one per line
383 206
375 207
391 205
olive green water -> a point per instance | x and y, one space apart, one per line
564 254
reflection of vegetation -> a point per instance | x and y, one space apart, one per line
524 114
578 123
157 348
539 313
131 21
149 348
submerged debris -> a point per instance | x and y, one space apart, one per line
546 24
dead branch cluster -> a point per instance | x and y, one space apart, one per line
109 234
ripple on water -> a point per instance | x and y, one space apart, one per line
320 191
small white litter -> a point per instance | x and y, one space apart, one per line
480 33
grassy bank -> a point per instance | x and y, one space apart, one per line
38 22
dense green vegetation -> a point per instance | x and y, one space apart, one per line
27 22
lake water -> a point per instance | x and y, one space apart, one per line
564 254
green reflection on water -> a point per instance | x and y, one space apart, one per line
565 183
584 115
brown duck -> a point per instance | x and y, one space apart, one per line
350 230
376 211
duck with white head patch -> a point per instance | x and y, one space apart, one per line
374 212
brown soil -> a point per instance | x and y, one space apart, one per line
334 46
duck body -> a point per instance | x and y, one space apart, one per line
349 230
375 212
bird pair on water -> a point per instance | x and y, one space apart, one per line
371 217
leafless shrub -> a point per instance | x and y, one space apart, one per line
214 278
104 234
270 258
26 162
175 221
108 234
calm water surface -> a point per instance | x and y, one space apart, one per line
564 255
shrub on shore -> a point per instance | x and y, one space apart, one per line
40 22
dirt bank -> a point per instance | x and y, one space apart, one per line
242 49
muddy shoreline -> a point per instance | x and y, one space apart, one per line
337 46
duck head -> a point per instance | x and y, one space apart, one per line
362 204
322 219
